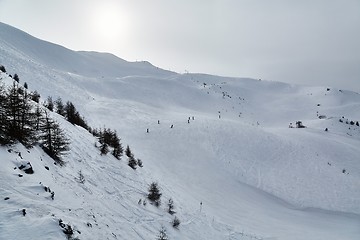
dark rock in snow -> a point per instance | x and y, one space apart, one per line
27 169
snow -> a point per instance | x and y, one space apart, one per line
255 177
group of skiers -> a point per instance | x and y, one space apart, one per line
172 125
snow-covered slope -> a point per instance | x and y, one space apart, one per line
230 149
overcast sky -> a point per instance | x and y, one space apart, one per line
314 42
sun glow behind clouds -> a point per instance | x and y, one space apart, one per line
109 22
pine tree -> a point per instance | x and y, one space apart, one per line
50 104
19 116
73 116
16 78
60 108
104 149
3 136
12 112
35 96
60 141
132 162
38 117
54 141
117 151
154 193
128 152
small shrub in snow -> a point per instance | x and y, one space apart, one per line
139 162
171 206
104 149
67 229
162 234
299 124
176 223
2 69
80 178
16 77
35 96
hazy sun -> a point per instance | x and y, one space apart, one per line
109 21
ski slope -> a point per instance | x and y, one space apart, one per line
230 149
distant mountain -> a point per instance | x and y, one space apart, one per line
25 47
227 151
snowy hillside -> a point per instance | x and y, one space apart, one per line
230 162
